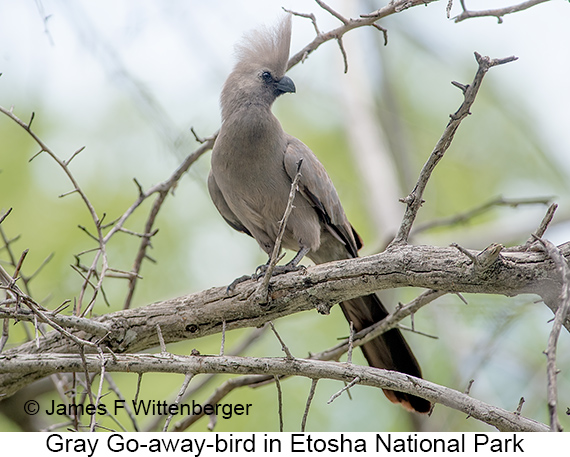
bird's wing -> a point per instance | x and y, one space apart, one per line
222 206
316 186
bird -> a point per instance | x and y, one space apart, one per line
253 165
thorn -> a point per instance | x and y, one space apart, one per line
87 232
20 262
101 220
149 258
462 87
31 120
139 187
68 161
469 385
343 52
61 307
5 215
465 252
478 58
199 139
65 194
519 407
36 154
462 298
448 8
384 32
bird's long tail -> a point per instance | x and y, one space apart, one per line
389 350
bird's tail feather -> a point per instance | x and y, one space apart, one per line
389 351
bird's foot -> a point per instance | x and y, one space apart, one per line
278 270
260 272
237 281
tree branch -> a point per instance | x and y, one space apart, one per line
203 313
498 12
364 20
414 200
466 216
559 318
313 369
72 346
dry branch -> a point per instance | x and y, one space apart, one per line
559 318
71 348
414 200
497 12
203 313
313 369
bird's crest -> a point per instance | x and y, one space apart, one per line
266 47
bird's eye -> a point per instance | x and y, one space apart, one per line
266 76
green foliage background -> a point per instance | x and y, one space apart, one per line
497 341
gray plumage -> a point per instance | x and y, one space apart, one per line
253 164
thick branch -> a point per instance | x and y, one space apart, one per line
368 376
203 313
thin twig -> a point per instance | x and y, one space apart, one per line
343 53
336 14
263 289
139 383
279 402
113 387
162 189
519 407
560 316
308 404
448 8
198 138
77 323
207 379
541 230
415 199
223 337
389 322
5 334
350 343
465 217
417 332
348 386
498 12
68 161
468 388
462 298
99 390
223 390
183 388
310 16
5 215
19 264
283 345
161 339
85 368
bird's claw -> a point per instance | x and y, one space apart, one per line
278 270
260 272
237 281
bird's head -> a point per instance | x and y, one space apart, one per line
259 73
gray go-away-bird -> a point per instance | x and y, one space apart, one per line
253 165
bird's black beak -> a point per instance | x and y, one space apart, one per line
285 85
